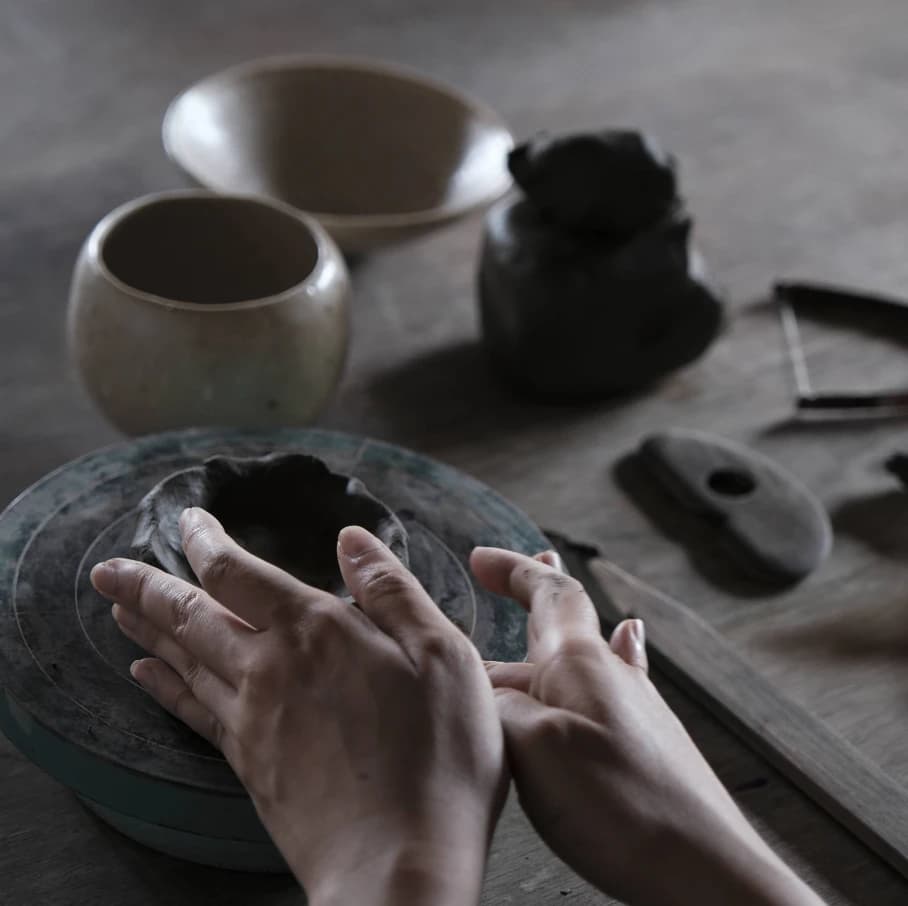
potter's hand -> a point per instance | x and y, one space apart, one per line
605 771
368 738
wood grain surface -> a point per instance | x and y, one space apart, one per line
803 748
790 119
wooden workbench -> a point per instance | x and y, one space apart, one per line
790 118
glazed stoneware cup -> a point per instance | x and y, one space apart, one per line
190 308
377 153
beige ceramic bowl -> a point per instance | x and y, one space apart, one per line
189 308
376 153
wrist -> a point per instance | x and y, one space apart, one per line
418 873
432 855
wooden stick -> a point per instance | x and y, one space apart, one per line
851 788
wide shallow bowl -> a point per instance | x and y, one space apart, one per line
190 308
376 153
286 508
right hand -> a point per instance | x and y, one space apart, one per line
367 736
604 770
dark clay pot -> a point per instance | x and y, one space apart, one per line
577 313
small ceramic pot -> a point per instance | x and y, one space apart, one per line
189 308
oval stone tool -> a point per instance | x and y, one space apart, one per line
776 526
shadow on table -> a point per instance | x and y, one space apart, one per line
877 634
820 845
880 521
701 540
451 395
880 631
180 881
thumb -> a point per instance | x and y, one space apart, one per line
628 641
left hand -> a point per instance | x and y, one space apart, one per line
367 737
605 771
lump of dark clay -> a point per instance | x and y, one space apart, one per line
614 181
565 315
286 508
589 284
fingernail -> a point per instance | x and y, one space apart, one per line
125 618
189 517
638 636
354 541
553 559
134 668
104 577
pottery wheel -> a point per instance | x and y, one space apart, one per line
68 701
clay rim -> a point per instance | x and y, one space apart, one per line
426 217
146 544
328 258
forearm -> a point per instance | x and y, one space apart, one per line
739 869
698 856
387 859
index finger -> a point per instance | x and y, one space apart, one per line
559 607
209 632
256 591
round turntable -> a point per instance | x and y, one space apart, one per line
66 697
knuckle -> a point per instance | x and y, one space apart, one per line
256 673
195 535
575 664
142 585
192 675
320 622
580 648
562 730
550 726
185 606
217 567
562 585
444 647
385 582
539 578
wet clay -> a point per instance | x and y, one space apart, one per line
285 508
